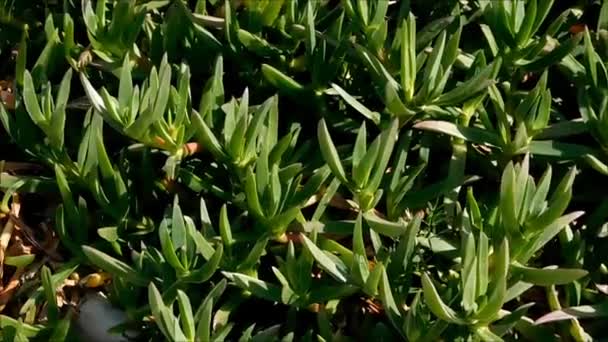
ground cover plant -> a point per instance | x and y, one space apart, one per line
293 170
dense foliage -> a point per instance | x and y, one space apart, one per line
306 170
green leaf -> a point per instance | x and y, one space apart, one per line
163 316
498 288
325 262
225 230
542 190
271 12
252 259
451 49
548 276
92 94
253 200
235 147
64 90
509 212
554 56
432 30
491 40
472 134
473 86
213 94
330 154
469 274
19 261
20 63
387 297
360 147
178 228
596 164
327 196
400 259
542 11
27 330
168 248
527 250
486 335
363 169
255 126
205 273
125 87
525 30
311 39
358 242
373 280
214 294
432 68
384 227
204 326
186 316
31 100
387 143
281 81
557 203
312 186
62 329
109 234
203 314
222 333
385 84
262 174
256 286
435 304
363 11
359 269
408 57
111 106
575 312
553 148
49 292
358 106
482 265
161 98
114 266
231 116
207 138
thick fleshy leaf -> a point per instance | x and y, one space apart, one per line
554 56
114 266
205 272
327 263
547 276
435 304
186 315
384 227
31 100
498 291
281 81
330 154
472 134
355 104
207 138
256 286
575 312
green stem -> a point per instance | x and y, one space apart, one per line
575 329
456 170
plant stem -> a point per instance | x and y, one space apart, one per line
576 331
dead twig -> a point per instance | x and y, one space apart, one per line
7 232
7 292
